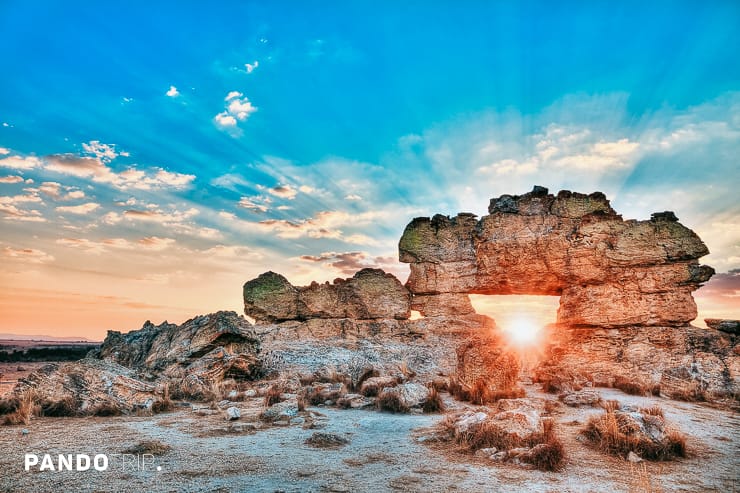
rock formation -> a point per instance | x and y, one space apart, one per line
370 294
607 271
215 346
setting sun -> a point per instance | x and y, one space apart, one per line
523 331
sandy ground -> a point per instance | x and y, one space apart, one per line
385 453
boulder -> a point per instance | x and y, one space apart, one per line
233 413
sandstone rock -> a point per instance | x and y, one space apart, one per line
355 401
580 398
373 385
487 359
409 395
90 384
677 361
369 294
233 413
608 272
285 410
633 457
725 325
213 347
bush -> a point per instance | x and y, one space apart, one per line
481 392
433 403
9 405
107 408
629 386
615 433
65 407
273 395
390 401
25 409
165 403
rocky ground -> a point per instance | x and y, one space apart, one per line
384 452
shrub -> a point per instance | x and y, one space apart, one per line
631 387
25 409
550 454
615 433
481 393
692 393
273 395
433 403
652 411
391 402
9 405
107 408
64 407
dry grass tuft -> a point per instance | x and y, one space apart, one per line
641 481
433 403
391 402
273 395
631 387
153 447
165 403
653 411
610 405
9 405
481 392
692 393
64 407
550 454
615 433
406 371
107 408
27 407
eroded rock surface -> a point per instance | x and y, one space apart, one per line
370 294
214 346
608 272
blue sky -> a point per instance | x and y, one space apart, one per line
156 156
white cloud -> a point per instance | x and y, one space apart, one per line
75 194
12 213
238 108
11 179
172 92
96 170
223 119
104 152
4 151
19 162
251 66
19 199
241 108
229 181
78 209
352 196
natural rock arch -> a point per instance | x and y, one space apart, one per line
607 271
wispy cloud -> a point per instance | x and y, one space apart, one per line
172 92
251 66
81 209
28 255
